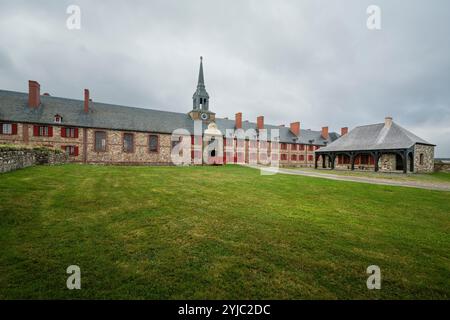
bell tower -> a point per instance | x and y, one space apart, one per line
200 99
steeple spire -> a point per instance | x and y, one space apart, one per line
200 99
201 78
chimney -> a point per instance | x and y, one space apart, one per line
344 131
388 122
295 128
34 94
238 120
325 132
86 100
260 122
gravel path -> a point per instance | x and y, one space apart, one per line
386 182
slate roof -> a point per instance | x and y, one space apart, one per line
375 137
14 107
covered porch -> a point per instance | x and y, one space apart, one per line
388 160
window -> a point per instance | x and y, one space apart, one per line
128 142
43 131
293 147
153 143
283 146
58 119
310 158
71 150
8 128
176 142
421 159
311 148
69 132
284 156
294 157
302 147
301 157
100 141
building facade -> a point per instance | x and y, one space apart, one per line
384 147
94 132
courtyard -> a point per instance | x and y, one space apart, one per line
217 233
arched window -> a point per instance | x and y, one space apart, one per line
421 159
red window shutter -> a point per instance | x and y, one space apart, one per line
76 132
50 131
75 151
14 128
63 132
36 131
192 154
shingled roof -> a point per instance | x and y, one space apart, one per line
14 107
375 137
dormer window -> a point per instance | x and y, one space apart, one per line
58 119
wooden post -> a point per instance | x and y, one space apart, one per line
352 160
376 158
405 161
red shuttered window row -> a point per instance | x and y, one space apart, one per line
43 131
67 132
71 150
8 128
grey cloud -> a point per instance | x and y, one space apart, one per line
312 61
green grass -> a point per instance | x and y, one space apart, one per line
217 232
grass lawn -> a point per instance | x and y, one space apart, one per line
217 232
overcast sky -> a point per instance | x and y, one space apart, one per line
309 61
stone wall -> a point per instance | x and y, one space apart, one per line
14 157
114 153
442 166
387 162
423 158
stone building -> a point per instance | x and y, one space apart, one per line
378 147
94 132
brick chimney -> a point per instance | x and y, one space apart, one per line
295 128
34 94
260 122
238 120
388 122
86 100
344 131
325 132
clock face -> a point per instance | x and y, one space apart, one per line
204 116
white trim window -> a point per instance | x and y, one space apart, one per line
70 132
70 150
7 128
43 131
